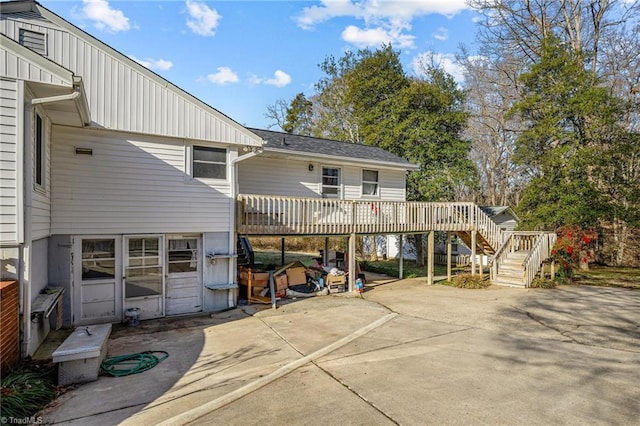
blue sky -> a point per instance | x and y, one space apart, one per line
241 56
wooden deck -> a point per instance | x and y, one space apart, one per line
282 216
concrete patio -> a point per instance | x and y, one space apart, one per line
420 355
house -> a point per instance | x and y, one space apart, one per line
119 189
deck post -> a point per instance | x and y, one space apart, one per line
480 264
449 250
473 252
401 257
282 252
430 256
325 254
352 262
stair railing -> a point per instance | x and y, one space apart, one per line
489 229
501 254
540 252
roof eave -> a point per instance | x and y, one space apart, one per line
340 159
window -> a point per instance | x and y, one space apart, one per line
98 259
144 268
33 40
330 182
183 255
209 163
39 152
370 182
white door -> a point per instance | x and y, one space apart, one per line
98 297
143 275
184 275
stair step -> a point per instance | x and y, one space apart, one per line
507 282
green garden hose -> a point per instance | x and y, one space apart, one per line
124 365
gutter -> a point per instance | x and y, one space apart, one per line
77 96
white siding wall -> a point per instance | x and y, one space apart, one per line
10 111
125 96
272 176
17 66
131 184
41 196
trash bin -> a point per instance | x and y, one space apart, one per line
133 316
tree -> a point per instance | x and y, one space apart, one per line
299 115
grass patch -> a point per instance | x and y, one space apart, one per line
26 389
543 283
390 268
274 257
608 276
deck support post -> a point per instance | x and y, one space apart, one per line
473 251
352 262
481 264
401 257
449 250
430 256
282 252
325 253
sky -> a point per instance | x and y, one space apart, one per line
242 56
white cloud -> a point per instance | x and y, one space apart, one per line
446 61
204 20
375 37
441 34
384 21
103 16
375 10
280 79
224 76
154 64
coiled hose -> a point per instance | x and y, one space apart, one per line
124 365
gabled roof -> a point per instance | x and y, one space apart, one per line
327 150
492 211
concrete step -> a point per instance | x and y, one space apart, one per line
507 282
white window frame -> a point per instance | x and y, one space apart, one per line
190 159
338 186
39 152
366 182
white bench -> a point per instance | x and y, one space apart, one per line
81 354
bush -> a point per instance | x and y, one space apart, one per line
27 389
543 283
470 281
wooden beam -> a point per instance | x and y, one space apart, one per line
352 262
430 256
449 251
473 252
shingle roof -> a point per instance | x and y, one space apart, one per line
496 210
280 141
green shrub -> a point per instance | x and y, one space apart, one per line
470 281
543 283
26 390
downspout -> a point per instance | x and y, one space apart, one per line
235 188
28 190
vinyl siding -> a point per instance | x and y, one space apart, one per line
287 177
9 161
124 95
41 199
131 184
16 65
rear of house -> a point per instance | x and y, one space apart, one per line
116 184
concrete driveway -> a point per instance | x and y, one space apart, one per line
405 353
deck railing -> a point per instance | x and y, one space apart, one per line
275 215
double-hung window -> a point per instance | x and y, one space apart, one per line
370 183
209 163
330 182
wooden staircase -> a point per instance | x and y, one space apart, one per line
482 245
511 270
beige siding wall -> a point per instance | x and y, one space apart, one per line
131 184
10 112
125 96
273 176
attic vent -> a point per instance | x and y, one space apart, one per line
34 41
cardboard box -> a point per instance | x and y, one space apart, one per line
281 282
296 276
260 279
336 288
336 279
